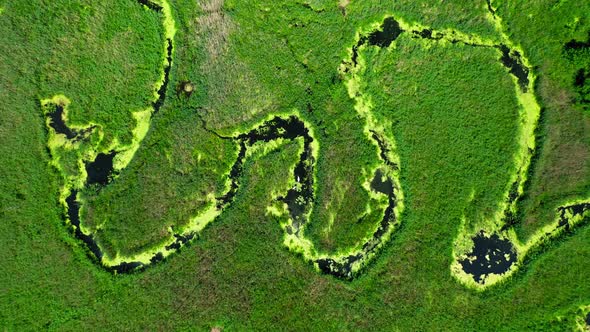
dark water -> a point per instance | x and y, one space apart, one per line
588 319
384 150
378 185
100 170
427 34
340 270
343 269
164 87
74 216
126 267
488 256
581 78
299 200
151 5
58 124
234 176
576 210
490 8
576 45
513 61
389 32
180 240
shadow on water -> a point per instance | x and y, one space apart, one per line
489 255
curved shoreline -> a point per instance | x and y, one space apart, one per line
297 203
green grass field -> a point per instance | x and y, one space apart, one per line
295 165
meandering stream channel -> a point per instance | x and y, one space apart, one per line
493 251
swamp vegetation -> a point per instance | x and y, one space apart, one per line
295 165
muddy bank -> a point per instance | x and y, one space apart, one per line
490 255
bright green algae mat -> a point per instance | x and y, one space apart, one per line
453 114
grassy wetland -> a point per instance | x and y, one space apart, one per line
295 165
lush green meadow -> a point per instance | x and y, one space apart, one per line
449 110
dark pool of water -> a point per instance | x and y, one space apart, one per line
588 319
488 256
389 32
426 34
100 170
343 269
513 61
576 45
58 124
298 199
380 185
180 240
384 150
126 267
